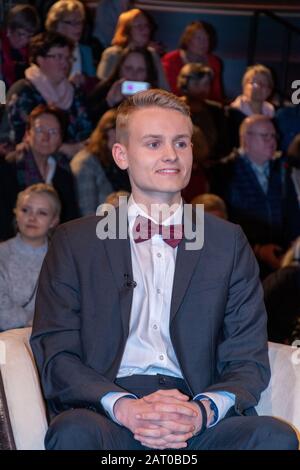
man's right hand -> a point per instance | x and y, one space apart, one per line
163 419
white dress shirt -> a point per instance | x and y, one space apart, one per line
77 62
51 170
149 349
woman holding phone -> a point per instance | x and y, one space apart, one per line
134 72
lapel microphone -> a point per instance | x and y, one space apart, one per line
129 282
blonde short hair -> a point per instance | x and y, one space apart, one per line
60 9
146 99
211 202
42 188
253 70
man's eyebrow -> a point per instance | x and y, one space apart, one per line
152 136
161 136
182 136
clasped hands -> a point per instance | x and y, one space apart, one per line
164 419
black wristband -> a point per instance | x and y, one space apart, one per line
204 417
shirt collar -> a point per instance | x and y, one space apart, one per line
264 168
135 209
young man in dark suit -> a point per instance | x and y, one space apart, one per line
143 341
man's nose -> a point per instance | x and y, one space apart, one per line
170 153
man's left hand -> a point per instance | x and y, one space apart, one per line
169 415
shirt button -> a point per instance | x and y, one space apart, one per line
158 291
161 357
155 327
158 255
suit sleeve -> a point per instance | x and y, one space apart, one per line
56 339
242 354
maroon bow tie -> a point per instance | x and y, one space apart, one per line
144 229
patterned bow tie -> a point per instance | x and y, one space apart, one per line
144 229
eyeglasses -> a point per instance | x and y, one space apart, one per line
60 57
256 84
264 135
51 131
140 26
22 33
74 24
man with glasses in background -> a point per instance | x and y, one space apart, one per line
37 160
259 192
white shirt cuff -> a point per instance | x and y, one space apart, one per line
109 400
222 400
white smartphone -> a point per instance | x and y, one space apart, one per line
131 87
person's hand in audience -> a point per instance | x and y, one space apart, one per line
5 147
269 254
71 149
78 80
21 148
115 96
159 47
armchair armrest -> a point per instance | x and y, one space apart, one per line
24 400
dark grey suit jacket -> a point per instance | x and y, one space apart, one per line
217 318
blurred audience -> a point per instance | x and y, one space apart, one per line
94 169
257 86
198 182
67 17
259 193
112 201
293 163
37 160
107 14
212 204
47 83
134 64
134 29
292 256
114 198
37 213
287 120
194 46
282 300
21 24
194 84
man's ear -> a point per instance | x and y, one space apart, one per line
119 153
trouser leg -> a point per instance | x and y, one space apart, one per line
81 429
247 433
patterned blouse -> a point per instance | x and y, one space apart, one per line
23 97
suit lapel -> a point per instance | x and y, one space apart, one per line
119 254
186 262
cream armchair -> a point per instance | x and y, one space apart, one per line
23 422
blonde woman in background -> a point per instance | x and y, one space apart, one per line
67 17
37 212
258 85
